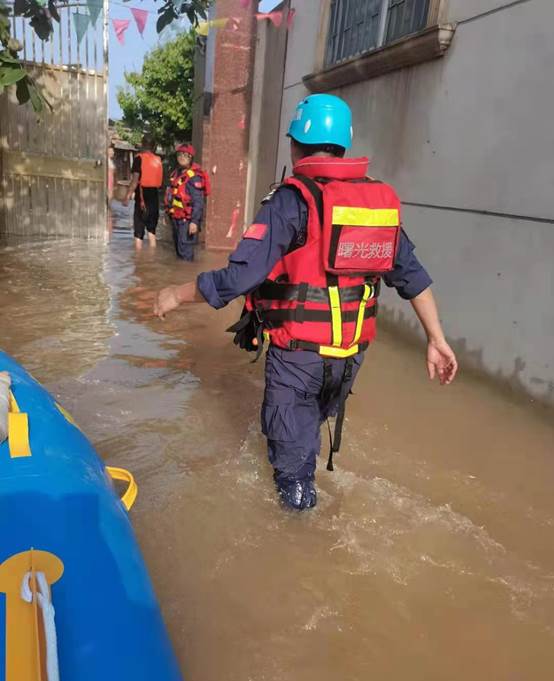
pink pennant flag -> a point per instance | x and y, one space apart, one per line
245 4
141 16
290 18
276 18
120 26
234 220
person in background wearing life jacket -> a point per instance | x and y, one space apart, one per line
311 267
184 202
146 180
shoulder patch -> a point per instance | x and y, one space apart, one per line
256 231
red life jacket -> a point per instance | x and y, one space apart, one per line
204 177
151 170
322 296
178 203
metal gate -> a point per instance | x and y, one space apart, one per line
53 165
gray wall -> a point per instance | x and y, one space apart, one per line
265 117
460 138
198 99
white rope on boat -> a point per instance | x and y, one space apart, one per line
44 601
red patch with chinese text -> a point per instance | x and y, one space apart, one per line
256 231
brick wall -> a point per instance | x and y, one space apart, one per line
225 143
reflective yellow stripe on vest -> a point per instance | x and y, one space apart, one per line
366 217
340 353
361 313
336 315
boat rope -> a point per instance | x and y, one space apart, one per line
44 601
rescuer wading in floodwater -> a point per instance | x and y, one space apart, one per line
310 267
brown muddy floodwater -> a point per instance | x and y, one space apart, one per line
431 553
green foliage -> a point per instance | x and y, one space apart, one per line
41 14
170 10
159 99
12 71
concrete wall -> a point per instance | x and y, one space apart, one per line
199 99
462 137
267 88
300 60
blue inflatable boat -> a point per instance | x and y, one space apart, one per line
76 602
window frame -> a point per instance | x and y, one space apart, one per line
349 14
429 43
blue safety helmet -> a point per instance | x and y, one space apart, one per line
322 119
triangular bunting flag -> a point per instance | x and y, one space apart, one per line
141 16
94 9
204 26
81 23
244 3
120 26
276 18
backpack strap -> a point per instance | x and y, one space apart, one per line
315 191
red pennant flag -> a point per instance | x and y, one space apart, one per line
290 18
141 16
120 26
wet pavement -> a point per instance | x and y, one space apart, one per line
431 553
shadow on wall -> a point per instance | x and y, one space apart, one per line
405 326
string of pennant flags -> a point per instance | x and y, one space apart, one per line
233 23
82 22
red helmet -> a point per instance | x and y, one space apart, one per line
186 149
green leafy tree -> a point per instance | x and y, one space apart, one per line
12 72
159 99
41 15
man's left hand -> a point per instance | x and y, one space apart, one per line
193 229
441 361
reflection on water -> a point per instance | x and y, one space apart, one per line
430 555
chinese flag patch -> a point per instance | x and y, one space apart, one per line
256 231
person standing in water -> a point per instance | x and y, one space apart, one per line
311 266
146 180
184 202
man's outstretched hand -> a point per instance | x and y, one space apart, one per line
441 361
166 301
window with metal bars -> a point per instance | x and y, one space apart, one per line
358 26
